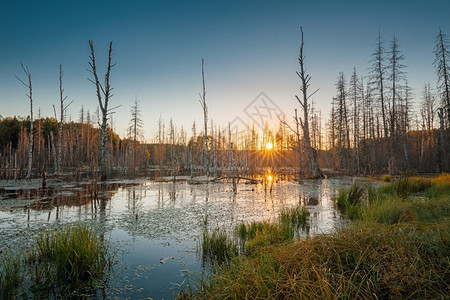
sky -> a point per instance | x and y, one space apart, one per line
250 50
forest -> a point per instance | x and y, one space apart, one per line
377 125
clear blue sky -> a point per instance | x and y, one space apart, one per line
248 46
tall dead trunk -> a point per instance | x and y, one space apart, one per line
441 144
305 78
103 95
27 83
441 51
205 118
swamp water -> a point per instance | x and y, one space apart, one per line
154 227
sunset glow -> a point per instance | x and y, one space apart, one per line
269 146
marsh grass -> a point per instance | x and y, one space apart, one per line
362 262
351 201
77 252
215 246
406 186
219 246
68 261
10 275
399 248
292 219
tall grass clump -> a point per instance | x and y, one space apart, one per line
293 219
440 186
386 178
76 253
262 234
216 245
352 201
10 275
411 200
406 186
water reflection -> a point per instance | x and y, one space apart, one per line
148 220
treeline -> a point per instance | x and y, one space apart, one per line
373 126
77 156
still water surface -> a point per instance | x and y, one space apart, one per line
154 226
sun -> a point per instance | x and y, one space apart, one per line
269 146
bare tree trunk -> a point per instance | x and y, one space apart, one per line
441 52
441 148
30 137
63 108
103 95
52 145
312 157
205 119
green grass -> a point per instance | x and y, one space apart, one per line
68 262
351 201
215 245
406 186
76 252
293 219
363 262
10 275
219 246
397 248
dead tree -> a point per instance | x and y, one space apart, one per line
63 108
441 142
135 127
305 78
27 83
103 96
441 63
378 72
205 118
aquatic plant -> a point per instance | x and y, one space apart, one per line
216 246
386 178
260 234
351 201
77 253
10 275
292 219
